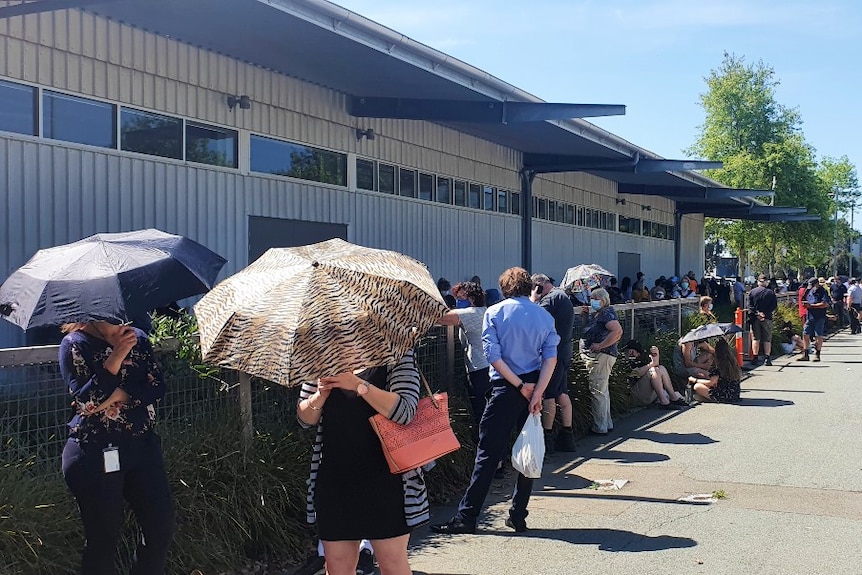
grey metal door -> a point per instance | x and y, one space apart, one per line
628 265
265 233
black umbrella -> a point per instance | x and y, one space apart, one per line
709 331
109 277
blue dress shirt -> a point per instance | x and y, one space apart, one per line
520 333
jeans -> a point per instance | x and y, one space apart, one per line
505 411
599 367
101 498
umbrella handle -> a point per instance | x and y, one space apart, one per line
427 387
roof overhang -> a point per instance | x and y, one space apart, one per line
324 44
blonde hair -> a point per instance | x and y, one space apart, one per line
601 294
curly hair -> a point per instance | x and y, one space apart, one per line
474 293
515 282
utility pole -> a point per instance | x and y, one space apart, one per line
835 239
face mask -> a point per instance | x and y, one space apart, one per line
710 307
595 304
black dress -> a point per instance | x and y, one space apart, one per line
356 496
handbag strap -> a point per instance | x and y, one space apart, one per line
425 383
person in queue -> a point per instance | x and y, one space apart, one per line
521 345
816 302
722 385
469 319
113 453
599 353
352 495
558 304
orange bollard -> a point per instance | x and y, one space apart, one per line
737 319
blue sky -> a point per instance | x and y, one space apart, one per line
652 56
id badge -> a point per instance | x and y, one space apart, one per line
112 459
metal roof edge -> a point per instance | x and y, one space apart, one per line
377 36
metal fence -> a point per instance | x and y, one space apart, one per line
36 405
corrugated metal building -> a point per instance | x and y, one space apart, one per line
106 126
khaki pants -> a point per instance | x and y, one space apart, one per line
599 372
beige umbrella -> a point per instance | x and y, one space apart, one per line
300 313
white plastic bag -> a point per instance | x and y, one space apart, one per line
529 450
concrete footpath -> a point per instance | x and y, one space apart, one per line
787 460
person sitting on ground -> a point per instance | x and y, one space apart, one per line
723 383
790 341
649 379
688 361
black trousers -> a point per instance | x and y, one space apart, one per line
101 500
506 410
854 319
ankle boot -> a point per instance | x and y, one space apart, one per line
566 440
550 445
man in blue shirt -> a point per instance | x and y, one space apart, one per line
521 345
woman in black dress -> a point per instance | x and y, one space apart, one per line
352 493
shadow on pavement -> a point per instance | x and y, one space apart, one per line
785 390
675 438
613 540
752 402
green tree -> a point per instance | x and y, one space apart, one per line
762 147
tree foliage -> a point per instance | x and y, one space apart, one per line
762 148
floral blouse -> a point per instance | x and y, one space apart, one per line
81 365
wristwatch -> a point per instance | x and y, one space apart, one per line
362 388
521 385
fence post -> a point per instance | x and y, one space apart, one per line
633 322
679 317
247 424
450 354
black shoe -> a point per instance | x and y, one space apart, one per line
816 356
366 563
755 361
454 527
804 357
550 443
500 472
768 361
566 441
519 525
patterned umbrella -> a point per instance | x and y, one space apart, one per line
585 277
300 313
110 277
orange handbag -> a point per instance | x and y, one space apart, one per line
428 437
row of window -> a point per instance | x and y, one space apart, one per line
390 179
96 123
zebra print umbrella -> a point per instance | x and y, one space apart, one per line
300 313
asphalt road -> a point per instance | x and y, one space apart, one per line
788 460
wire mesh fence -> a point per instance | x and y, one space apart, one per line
36 404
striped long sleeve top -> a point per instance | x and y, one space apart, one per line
401 378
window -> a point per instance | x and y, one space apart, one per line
78 120
612 222
444 190
151 134
474 198
386 178
365 179
18 112
426 187
671 232
604 222
407 182
647 228
551 214
580 216
561 212
516 203
211 145
630 225
570 214
588 217
490 197
460 193
543 208
503 201
535 213
596 216
282 158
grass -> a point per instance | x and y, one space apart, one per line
719 494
